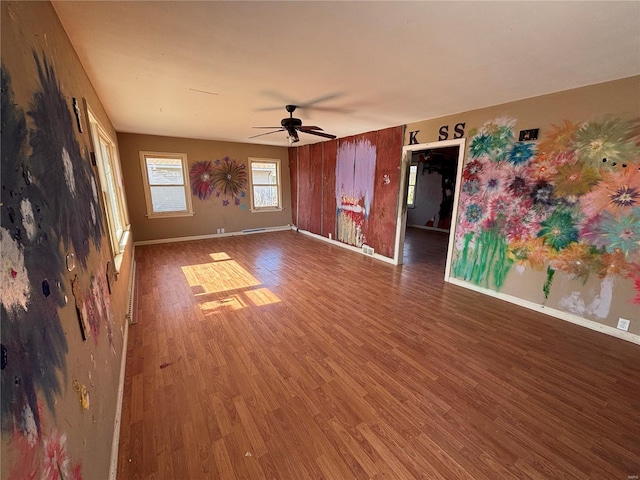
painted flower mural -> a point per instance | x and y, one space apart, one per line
225 178
572 205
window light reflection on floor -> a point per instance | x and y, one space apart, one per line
213 283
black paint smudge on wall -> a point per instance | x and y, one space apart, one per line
58 186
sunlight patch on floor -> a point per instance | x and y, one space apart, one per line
222 275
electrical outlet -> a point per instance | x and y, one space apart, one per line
623 324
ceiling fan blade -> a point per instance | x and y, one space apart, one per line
320 134
265 127
306 127
268 133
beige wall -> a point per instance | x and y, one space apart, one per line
84 435
620 99
209 215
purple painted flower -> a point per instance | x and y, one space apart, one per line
519 187
542 193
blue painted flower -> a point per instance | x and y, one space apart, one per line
620 232
521 152
473 213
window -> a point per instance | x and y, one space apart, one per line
265 184
110 178
411 191
166 184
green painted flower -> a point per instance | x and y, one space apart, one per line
480 145
607 143
559 229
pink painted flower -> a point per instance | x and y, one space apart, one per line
617 192
201 177
56 463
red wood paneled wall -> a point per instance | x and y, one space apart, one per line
313 189
384 211
293 173
329 188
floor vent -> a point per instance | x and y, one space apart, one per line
367 250
132 295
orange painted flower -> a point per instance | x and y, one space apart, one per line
578 259
560 139
575 180
531 252
613 263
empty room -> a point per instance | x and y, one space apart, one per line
320 240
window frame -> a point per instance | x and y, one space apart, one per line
188 212
415 185
112 194
278 184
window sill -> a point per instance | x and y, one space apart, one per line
117 259
170 215
259 210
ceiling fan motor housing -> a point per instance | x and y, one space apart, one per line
291 122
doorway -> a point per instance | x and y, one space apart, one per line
431 175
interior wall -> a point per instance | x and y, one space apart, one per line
427 199
59 389
212 213
348 188
591 272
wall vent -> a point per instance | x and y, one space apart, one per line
132 297
367 250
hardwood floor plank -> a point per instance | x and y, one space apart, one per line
279 356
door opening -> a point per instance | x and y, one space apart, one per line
431 174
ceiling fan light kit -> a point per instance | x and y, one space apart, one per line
292 126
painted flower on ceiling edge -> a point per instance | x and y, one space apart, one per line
559 140
607 143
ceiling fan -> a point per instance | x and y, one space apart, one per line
294 125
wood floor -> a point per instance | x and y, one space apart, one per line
280 356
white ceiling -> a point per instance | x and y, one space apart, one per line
357 66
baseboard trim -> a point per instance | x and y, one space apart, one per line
115 443
568 317
248 231
344 245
